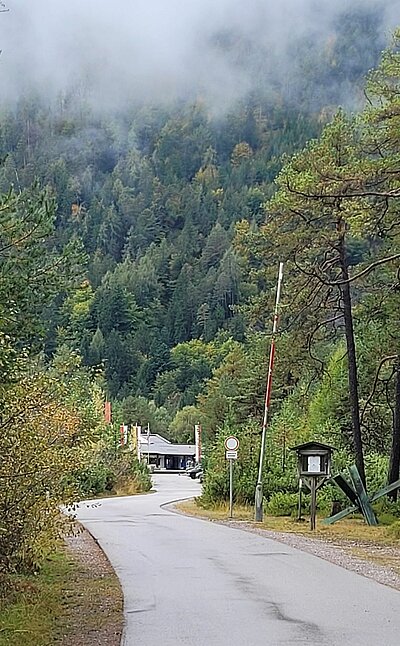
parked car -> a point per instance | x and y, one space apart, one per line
194 471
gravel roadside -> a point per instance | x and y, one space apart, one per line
92 602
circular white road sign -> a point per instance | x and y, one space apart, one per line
231 443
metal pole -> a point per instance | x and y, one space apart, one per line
299 517
258 503
230 488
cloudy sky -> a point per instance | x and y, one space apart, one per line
152 49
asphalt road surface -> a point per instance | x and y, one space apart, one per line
189 581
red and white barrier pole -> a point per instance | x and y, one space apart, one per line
259 487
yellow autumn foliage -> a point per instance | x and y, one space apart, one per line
43 441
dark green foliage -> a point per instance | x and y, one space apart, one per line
32 270
95 479
142 411
108 472
154 198
282 504
216 484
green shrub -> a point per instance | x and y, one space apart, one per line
282 504
216 481
327 495
96 479
386 506
130 468
276 480
386 519
112 473
393 531
215 487
376 470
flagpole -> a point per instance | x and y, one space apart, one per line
258 502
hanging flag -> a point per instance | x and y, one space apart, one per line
134 437
107 412
197 434
139 440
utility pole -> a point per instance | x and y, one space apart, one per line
258 503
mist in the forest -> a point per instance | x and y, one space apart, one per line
123 51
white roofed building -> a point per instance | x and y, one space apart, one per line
163 454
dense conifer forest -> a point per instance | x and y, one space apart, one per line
139 254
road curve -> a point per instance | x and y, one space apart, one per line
188 581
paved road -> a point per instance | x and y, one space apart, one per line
188 581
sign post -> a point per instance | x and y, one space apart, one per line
230 488
231 446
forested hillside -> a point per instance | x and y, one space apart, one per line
154 194
154 198
140 249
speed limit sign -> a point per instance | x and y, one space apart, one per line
231 443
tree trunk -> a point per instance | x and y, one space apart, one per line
352 365
394 465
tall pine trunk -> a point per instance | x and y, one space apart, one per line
351 363
394 465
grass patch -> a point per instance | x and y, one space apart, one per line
76 600
351 529
127 486
218 511
28 613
